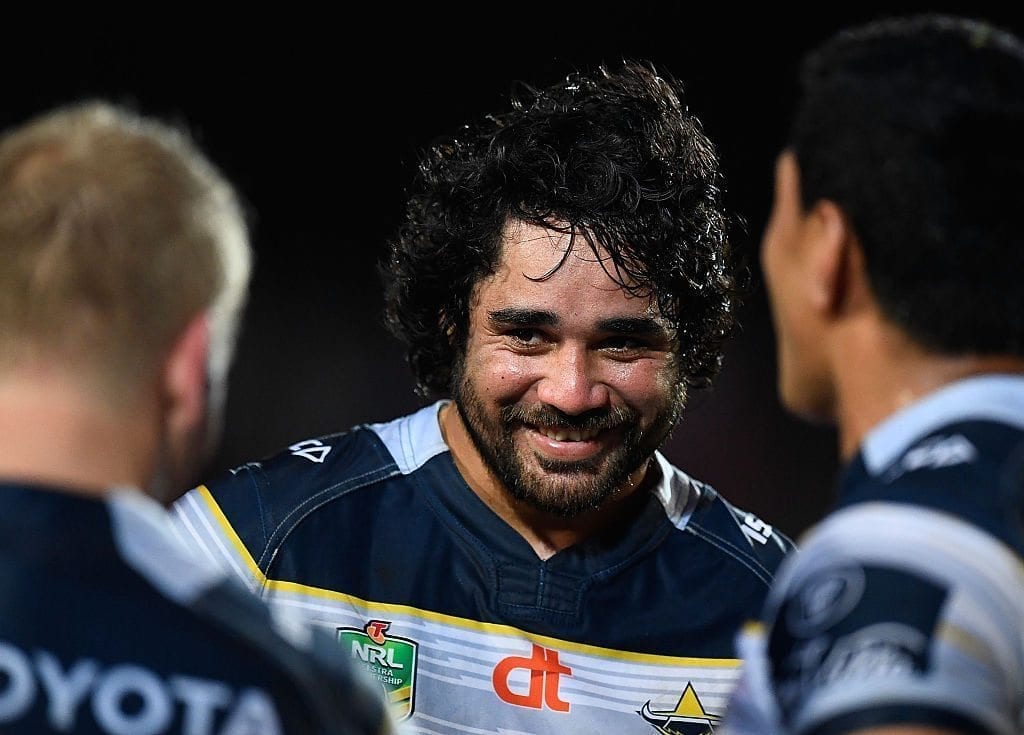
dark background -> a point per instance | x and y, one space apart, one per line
318 119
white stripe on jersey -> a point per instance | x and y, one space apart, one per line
193 519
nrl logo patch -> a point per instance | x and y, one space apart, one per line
389 659
688 717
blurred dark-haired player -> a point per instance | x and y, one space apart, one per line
893 259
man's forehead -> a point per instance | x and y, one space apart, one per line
561 288
539 253
546 269
541 247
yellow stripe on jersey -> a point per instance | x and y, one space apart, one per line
281 588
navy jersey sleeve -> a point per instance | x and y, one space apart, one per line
240 519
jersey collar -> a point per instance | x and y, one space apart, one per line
981 398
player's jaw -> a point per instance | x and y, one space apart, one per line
556 463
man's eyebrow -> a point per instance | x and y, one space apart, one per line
523 317
641 325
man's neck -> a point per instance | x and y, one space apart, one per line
55 433
890 373
546 533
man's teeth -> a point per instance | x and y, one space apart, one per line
562 435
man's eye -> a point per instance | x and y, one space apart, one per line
525 337
624 344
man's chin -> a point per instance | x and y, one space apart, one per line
565 492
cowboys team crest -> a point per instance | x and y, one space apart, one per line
687 718
389 659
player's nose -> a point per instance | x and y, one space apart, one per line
570 382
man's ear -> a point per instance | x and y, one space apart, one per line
185 376
833 256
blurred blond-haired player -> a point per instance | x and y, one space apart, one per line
124 264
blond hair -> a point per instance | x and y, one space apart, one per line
115 231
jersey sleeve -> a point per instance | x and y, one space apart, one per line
892 615
223 521
241 519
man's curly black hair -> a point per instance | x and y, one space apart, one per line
614 157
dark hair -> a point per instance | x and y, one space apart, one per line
615 157
914 126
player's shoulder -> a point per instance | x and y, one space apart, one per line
970 467
340 460
904 566
336 463
263 499
749 535
961 473
699 509
243 516
356 457
889 602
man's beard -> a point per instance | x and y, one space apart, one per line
562 488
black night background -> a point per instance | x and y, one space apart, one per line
318 115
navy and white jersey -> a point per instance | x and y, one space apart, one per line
376 536
109 626
906 605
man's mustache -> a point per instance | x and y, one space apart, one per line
549 417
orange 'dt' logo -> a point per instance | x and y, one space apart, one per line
544 672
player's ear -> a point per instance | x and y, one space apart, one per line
185 376
832 256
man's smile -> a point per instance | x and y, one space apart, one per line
569 444
562 434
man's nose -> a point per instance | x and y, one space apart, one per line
571 382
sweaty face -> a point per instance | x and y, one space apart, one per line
568 384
